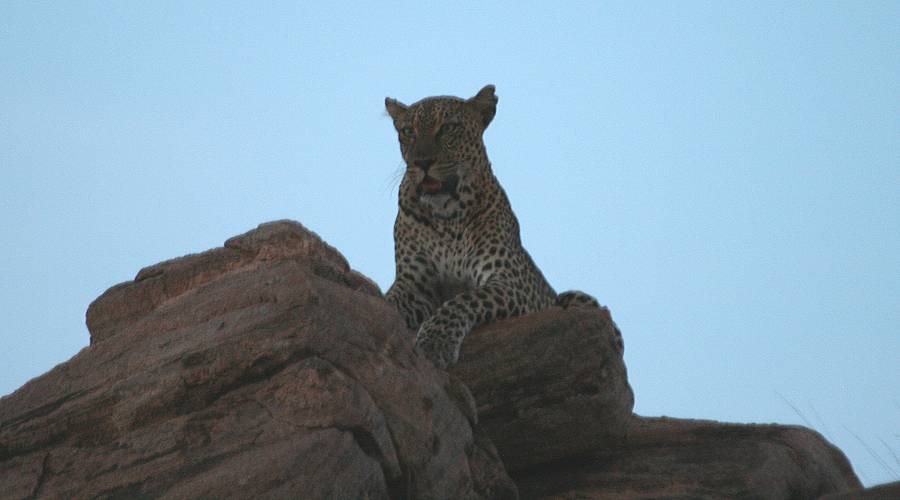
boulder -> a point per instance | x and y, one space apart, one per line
879 492
552 393
674 458
266 368
548 385
269 368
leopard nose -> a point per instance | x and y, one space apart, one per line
424 163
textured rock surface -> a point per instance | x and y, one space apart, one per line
672 458
881 492
548 385
266 368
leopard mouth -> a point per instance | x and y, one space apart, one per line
431 186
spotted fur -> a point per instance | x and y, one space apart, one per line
460 262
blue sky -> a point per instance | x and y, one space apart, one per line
724 176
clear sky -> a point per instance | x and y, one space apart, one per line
724 176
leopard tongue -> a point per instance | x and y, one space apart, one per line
431 186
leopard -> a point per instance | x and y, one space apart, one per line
458 254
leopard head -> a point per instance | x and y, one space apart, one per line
441 143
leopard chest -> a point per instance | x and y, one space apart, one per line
449 254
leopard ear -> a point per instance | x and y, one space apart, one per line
395 108
485 104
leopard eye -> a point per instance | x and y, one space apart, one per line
408 132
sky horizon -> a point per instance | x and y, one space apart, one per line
724 177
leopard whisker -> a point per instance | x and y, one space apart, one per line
393 180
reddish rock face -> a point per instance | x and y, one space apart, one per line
880 492
675 458
548 385
266 368
553 394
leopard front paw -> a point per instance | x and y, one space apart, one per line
575 298
439 343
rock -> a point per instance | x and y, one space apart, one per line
880 492
267 368
672 458
548 385
126 303
552 393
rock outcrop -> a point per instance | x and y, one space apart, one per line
266 368
889 491
269 368
548 385
675 458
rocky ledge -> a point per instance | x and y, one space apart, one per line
269 368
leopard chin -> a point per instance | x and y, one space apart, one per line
441 205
